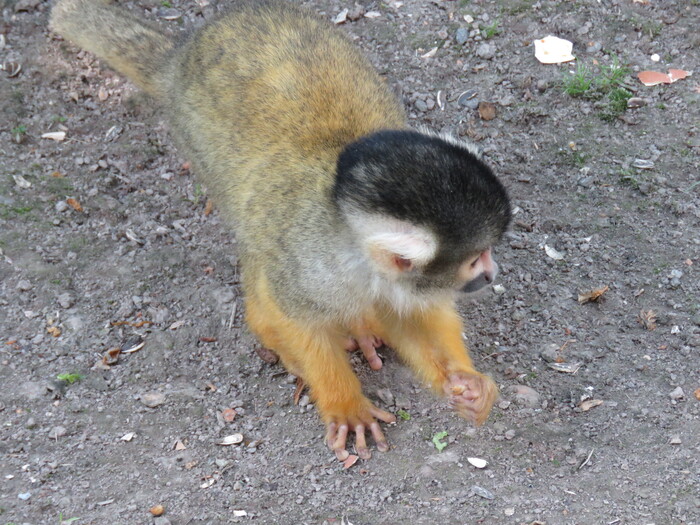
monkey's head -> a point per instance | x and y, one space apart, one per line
424 208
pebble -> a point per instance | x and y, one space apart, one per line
636 102
525 396
550 353
153 399
486 51
421 105
24 496
479 491
677 394
461 36
66 300
468 99
61 206
24 285
57 432
594 47
386 396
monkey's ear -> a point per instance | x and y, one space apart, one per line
394 245
397 252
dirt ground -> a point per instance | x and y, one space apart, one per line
107 242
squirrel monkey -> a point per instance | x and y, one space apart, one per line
353 229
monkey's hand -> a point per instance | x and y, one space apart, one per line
471 394
359 419
368 344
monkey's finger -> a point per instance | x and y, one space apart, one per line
382 415
351 344
339 446
367 345
331 433
378 436
361 442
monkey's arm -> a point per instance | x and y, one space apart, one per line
431 343
317 354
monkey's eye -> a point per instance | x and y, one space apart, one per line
473 264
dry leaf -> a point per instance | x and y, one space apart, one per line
590 403
54 331
208 483
647 318
229 414
157 510
430 54
593 296
73 203
350 461
487 110
652 78
341 17
267 355
58 136
208 339
567 368
553 50
697 394
177 324
57 175
300 386
208 208
128 436
678 74
552 253
22 182
111 357
478 462
233 439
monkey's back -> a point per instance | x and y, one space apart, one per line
266 97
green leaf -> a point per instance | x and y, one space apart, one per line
439 445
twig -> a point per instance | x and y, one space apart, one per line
586 460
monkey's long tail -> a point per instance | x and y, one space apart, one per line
126 43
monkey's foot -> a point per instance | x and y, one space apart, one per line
471 395
338 427
368 344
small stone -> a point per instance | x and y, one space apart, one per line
386 396
61 206
66 300
542 85
24 496
550 353
421 105
675 440
169 13
468 99
636 102
525 396
24 285
594 47
677 394
486 51
509 434
479 491
153 399
57 432
461 36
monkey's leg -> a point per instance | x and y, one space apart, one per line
317 354
431 343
